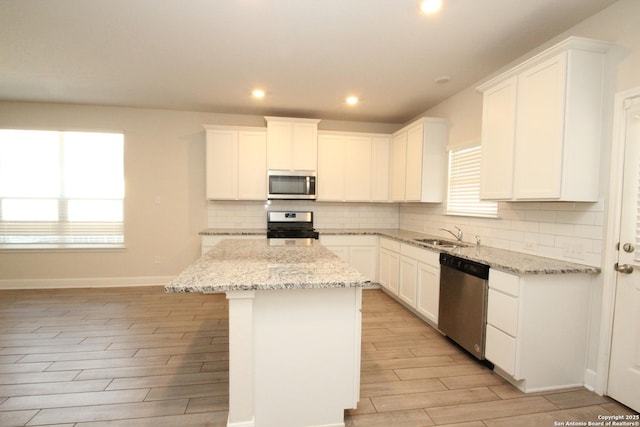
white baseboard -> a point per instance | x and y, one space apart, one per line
90 282
590 378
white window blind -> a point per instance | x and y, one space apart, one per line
61 189
463 196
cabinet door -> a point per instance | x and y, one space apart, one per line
363 259
358 169
498 140
408 280
331 167
252 165
222 164
380 169
398 170
389 270
434 162
428 301
305 146
279 147
500 349
341 251
413 168
539 130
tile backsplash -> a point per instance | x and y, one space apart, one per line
560 230
231 214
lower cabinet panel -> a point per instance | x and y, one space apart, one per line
500 349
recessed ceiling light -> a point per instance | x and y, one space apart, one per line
442 79
352 100
258 93
430 6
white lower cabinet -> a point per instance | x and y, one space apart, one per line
389 265
361 252
420 281
428 298
413 275
408 280
537 328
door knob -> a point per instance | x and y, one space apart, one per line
623 268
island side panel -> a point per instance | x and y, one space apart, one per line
306 355
241 353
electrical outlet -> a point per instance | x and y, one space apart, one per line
156 259
573 250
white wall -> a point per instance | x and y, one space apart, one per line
164 160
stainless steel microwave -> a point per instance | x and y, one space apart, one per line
292 184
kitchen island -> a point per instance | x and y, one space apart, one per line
294 330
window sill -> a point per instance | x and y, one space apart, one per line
61 247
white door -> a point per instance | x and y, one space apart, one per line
624 368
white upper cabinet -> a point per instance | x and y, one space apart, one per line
292 143
353 167
398 166
541 126
380 151
420 161
236 163
498 136
332 164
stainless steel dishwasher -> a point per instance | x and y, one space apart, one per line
462 314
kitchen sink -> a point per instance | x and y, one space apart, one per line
441 243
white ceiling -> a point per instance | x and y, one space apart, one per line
207 55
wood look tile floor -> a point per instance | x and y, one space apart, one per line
140 357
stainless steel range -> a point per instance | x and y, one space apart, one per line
290 228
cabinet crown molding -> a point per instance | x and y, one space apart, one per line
573 42
422 120
232 127
290 119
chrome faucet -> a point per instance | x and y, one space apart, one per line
458 235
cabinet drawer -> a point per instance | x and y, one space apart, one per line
348 240
500 349
502 312
389 244
423 255
504 282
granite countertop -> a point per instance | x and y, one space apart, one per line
233 232
252 264
500 259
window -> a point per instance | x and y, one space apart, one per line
61 189
463 197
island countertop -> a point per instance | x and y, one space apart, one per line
254 264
